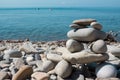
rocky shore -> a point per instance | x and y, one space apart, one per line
88 54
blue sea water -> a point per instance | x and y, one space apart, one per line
47 24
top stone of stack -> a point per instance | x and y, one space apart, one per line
86 30
84 22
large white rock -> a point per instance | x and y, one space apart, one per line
86 34
99 46
106 70
82 57
96 25
63 69
74 46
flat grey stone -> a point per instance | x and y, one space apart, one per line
84 22
11 53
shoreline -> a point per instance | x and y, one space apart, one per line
21 41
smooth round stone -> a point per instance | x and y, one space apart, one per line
63 69
99 47
86 34
54 57
76 26
23 73
106 70
44 66
83 57
53 77
13 53
85 22
40 76
29 59
96 25
74 46
47 65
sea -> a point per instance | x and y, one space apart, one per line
51 24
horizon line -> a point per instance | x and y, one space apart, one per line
67 7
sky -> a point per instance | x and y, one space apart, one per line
59 3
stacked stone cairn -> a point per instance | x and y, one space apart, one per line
85 56
89 30
86 47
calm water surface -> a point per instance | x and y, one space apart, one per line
44 24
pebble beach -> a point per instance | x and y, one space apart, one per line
88 54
